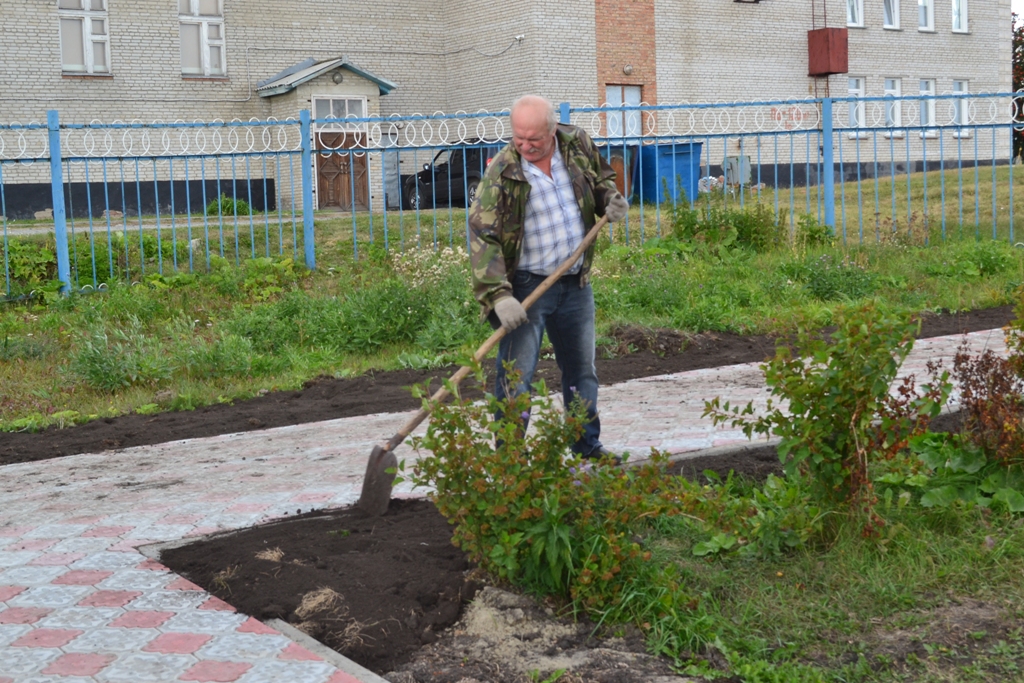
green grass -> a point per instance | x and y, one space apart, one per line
938 598
266 324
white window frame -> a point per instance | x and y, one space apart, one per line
855 13
962 110
894 5
856 113
85 17
963 26
894 108
926 88
205 21
928 7
338 126
624 123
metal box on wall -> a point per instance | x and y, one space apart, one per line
827 51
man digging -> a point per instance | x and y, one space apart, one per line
538 198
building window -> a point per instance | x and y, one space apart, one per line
623 123
891 12
960 16
927 90
926 15
855 89
854 12
84 39
339 108
961 109
202 37
893 106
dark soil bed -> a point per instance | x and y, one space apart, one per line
639 353
397 579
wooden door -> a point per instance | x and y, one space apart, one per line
338 173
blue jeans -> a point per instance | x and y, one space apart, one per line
566 311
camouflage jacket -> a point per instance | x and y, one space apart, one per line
496 217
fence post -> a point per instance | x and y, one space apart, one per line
829 164
307 189
60 225
563 112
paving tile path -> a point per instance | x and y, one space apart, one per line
79 603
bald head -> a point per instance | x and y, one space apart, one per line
533 129
534 109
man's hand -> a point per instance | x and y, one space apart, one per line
617 208
510 312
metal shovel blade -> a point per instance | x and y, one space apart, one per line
377 483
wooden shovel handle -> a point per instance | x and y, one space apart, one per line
493 340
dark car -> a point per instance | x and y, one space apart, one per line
450 179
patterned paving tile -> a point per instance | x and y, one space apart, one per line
112 640
294 672
28 660
205 622
50 596
222 672
170 601
30 576
78 664
146 667
23 615
177 643
135 580
80 617
11 632
141 619
46 637
244 647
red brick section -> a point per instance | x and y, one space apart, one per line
78 665
215 672
177 643
625 35
141 619
47 637
109 599
23 615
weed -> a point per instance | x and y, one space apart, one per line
228 206
120 358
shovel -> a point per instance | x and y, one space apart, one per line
377 483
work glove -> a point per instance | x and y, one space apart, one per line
510 312
617 208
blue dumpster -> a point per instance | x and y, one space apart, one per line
667 172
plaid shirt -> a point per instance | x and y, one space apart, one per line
552 226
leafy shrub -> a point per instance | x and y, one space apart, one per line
992 395
811 233
974 260
840 413
522 513
830 278
228 206
31 263
755 227
121 358
957 471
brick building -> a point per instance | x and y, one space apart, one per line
169 59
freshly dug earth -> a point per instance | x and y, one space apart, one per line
374 588
379 589
637 352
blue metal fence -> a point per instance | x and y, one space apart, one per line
129 199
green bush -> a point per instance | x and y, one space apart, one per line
839 412
121 358
832 278
228 206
